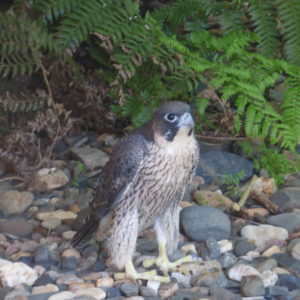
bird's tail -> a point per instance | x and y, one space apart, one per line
84 234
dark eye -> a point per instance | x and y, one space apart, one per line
170 117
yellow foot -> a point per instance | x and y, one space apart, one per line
131 273
163 263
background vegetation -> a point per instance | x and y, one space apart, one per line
99 60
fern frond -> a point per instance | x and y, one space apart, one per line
288 11
264 20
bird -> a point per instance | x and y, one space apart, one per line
141 186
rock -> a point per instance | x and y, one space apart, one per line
58 214
225 246
242 246
286 260
212 198
65 295
257 210
17 295
96 293
289 281
12 274
70 259
261 234
218 293
91 157
42 254
19 228
191 293
252 286
272 250
73 287
183 279
265 265
218 163
48 288
51 223
213 248
48 179
113 293
240 270
99 266
287 198
200 267
289 221
201 222
269 278
227 260
15 202
129 289
68 279
68 235
295 251
105 282
146 244
210 278
277 291
166 290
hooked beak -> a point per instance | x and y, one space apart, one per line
186 120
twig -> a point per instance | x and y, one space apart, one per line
12 178
265 201
241 203
220 138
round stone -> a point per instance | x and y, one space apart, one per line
202 222
19 228
252 286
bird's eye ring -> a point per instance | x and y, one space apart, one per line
170 117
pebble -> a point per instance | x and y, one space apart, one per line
20 228
289 281
16 295
227 260
289 221
58 214
51 223
91 157
68 279
212 277
48 179
243 246
213 248
286 260
68 235
272 250
166 290
94 292
129 289
287 198
277 290
15 202
48 288
240 270
295 251
73 287
252 286
106 282
269 278
42 254
13 274
225 246
261 234
266 265
65 295
257 210
197 225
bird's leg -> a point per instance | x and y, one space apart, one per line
130 272
162 261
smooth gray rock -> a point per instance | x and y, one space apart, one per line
129 289
289 221
277 290
287 198
202 222
289 281
242 246
21 228
217 163
285 260
252 286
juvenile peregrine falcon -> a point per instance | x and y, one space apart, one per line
142 185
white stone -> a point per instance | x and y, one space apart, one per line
12 274
66 295
51 223
269 278
296 251
106 282
225 246
48 179
41 289
97 293
238 271
263 233
68 235
57 214
154 286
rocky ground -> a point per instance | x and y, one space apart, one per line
240 251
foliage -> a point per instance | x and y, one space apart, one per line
232 182
223 56
80 168
273 161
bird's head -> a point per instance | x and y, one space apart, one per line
173 121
